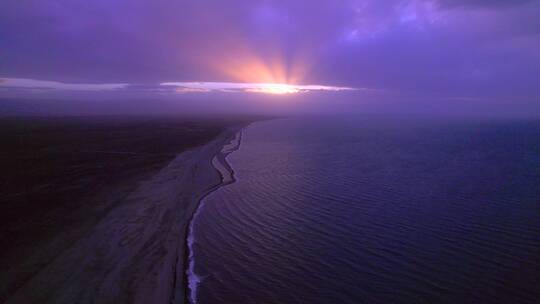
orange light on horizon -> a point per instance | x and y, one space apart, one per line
248 70
250 87
244 64
274 88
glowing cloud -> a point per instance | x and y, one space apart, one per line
266 88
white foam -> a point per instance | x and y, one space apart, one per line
193 279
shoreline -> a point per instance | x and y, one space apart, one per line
135 253
219 162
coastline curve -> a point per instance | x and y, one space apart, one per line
226 172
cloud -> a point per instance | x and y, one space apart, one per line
501 4
32 84
479 48
236 87
167 87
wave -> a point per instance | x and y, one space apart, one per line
227 177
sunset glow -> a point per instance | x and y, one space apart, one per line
281 88
249 87
275 88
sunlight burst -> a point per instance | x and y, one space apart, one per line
274 88
254 87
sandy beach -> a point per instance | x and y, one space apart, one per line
136 253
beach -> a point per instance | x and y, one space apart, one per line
136 252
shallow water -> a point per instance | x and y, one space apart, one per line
375 211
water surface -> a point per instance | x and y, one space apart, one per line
375 210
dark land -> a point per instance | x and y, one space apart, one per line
61 176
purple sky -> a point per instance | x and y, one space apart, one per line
440 55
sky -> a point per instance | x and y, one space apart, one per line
454 56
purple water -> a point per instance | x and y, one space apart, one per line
372 210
